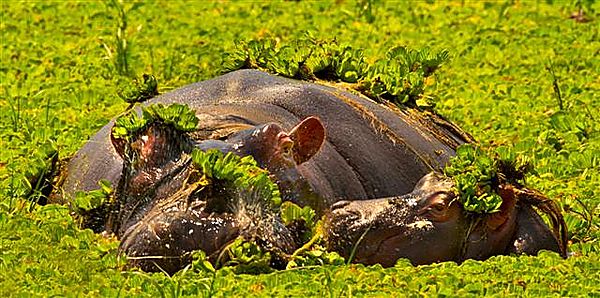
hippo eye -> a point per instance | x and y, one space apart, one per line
287 148
438 206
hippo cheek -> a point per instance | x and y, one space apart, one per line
422 242
165 242
377 247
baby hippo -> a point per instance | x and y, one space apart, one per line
430 225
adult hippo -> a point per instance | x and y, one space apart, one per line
370 151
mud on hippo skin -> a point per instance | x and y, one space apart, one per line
429 225
161 215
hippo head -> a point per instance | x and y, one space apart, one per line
279 152
161 214
429 225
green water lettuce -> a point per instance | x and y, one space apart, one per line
181 117
140 90
478 173
243 172
399 77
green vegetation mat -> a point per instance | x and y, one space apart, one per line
520 74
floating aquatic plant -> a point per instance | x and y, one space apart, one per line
243 172
89 200
478 173
246 257
140 90
399 77
181 117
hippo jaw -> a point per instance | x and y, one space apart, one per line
424 226
165 242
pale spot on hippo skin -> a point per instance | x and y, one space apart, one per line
519 244
411 202
167 246
191 231
256 131
421 225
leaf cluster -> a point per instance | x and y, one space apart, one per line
313 252
400 76
245 256
181 117
140 90
86 201
243 172
478 173
291 213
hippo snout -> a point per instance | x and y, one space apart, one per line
164 242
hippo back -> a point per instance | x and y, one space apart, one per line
371 150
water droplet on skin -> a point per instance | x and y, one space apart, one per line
191 231
519 244
411 202
167 245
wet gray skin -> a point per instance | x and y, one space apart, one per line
429 225
161 216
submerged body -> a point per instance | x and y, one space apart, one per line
321 144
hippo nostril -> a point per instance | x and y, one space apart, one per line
340 204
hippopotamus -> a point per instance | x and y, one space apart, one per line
429 225
322 145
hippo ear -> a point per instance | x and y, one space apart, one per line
119 144
154 145
496 220
497 230
308 136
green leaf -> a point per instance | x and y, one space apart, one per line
179 116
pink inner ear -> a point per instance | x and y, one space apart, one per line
308 137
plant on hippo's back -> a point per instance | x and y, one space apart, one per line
400 77
243 172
